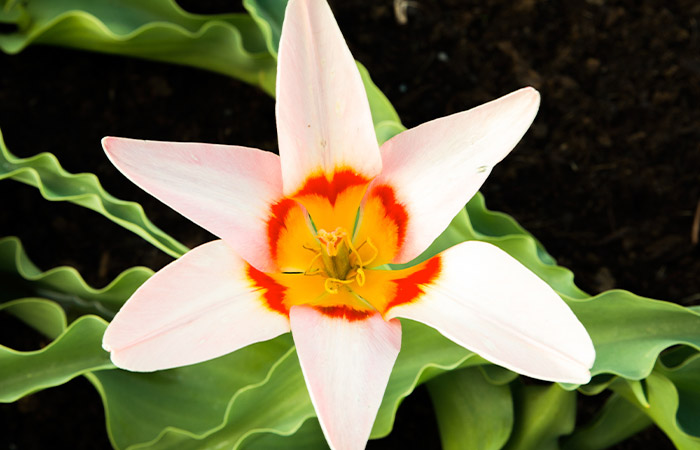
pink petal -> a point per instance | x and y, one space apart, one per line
228 190
324 123
346 364
199 307
438 166
489 303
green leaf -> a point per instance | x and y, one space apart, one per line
542 415
471 412
615 422
630 331
664 406
75 351
686 379
266 412
425 354
268 15
215 403
45 316
43 171
230 44
308 437
21 278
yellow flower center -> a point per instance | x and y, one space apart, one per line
338 260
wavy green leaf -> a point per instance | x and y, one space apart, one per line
21 278
308 437
43 171
268 15
615 422
230 44
182 405
686 379
45 316
630 331
75 351
663 406
542 415
471 412
276 407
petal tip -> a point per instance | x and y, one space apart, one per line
107 142
583 377
530 94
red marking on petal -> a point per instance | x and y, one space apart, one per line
410 288
276 223
393 210
331 189
273 291
343 312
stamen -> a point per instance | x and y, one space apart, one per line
332 284
376 252
308 270
360 276
338 264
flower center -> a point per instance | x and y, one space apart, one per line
338 260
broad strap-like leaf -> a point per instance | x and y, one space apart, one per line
21 278
615 422
664 405
542 415
44 172
471 411
686 378
230 44
75 351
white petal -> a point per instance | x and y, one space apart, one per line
438 166
228 190
197 308
346 365
486 301
323 119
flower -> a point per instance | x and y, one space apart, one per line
305 238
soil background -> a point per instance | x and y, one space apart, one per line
608 177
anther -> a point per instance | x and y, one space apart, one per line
360 276
332 284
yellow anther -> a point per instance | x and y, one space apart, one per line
337 258
331 287
332 284
360 276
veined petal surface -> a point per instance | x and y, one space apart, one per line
346 365
486 301
324 123
228 190
199 307
436 167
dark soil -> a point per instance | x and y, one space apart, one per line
608 178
